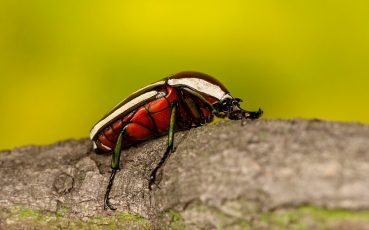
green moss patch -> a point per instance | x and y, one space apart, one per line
20 217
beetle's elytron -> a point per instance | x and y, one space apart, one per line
179 102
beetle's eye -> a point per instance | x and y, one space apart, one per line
226 105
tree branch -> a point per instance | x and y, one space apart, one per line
220 176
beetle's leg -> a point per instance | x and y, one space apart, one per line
255 115
244 115
170 149
251 115
197 116
115 167
232 108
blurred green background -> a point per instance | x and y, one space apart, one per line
64 64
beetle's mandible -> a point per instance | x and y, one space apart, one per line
178 102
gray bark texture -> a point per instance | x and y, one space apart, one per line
267 174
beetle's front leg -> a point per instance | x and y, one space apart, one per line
115 167
251 115
170 149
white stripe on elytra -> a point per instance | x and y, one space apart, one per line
120 110
107 147
200 86
142 89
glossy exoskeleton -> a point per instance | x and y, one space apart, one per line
179 102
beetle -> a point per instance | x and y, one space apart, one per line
179 102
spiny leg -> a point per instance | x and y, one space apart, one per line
170 144
251 115
115 167
106 198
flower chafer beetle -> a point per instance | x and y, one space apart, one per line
178 102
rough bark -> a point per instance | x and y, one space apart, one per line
268 173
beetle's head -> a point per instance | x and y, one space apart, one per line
230 108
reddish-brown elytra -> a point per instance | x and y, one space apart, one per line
178 102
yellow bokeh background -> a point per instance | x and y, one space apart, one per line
64 64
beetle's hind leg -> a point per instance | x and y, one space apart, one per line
115 167
170 148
